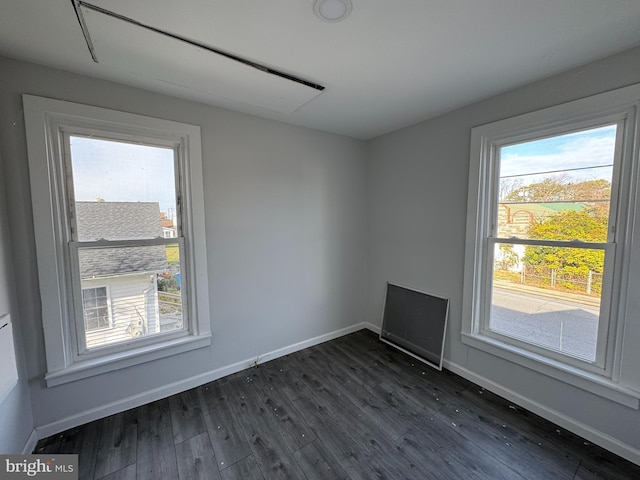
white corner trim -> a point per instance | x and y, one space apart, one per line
599 438
30 444
304 344
372 327
164 391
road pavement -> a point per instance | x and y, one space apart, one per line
556 322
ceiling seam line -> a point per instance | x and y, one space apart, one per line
85 30
194 43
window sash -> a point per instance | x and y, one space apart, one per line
549 243
79 333
74 245
492 154
488 210
68 132
604 317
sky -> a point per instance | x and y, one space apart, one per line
588 148
123 172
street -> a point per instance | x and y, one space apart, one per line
554 323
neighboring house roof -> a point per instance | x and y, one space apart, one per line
119 221
546 207
564 206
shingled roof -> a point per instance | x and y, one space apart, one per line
119 221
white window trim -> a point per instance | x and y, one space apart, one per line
608 380
492 139
44 119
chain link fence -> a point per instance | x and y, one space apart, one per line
591 283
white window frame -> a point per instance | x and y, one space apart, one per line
65 132
601 365
109 310
605 375
46 121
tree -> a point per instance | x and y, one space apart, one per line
588 224
582 225
590 190
168 284
556 189
507 188
507 258
595 193
585 225
548 190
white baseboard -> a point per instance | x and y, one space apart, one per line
595 436
164 391
372 327
626 451
30 444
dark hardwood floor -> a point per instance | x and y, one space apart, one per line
352 408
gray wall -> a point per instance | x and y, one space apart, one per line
285 213
298 222
16 419
417 197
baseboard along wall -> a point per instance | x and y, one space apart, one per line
626 451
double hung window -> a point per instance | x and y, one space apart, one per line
118 223
118 196
550 237
551 199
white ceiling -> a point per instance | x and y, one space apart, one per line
391 63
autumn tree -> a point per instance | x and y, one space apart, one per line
583 225
548 190
590 190
560 188
588 224
595 194
507 258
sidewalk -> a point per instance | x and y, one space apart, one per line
548 292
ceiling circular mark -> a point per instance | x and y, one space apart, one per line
332 10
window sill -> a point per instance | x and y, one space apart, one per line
576 377
116 361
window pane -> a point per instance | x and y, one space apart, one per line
558 187
145 288
89 296
548 296
122 191
94 308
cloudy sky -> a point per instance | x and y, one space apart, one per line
123 172
585 155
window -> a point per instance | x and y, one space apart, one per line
550 241
95 308
552 198
118 194
111 185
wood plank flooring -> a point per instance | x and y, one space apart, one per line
352 408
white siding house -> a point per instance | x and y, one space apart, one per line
119 289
